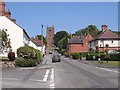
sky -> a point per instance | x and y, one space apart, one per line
68 16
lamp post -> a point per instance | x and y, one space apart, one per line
42 37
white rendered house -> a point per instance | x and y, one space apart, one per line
17 35
106 39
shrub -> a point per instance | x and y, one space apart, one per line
22 62
38 56
24 52
11 56
62 51
89 57
114 57
32 52
75 55
84 54
66 54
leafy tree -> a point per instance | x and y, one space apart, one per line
63 43
39 37
58 36
91 29
4 42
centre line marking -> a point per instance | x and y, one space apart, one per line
46 76
36 80
108 70
52 85
11 78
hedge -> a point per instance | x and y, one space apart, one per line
104 57
24 52
75 55
114 57
38 56
22 62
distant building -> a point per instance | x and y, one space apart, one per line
4 12
40 45
105 38
79 43
50 36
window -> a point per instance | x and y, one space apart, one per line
112 41
101 40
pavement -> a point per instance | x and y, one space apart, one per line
68 73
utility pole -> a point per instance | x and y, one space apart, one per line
42 37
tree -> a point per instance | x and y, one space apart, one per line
4 42
62 44
91 29
58 36
39 37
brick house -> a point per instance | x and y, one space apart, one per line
79 44
105 38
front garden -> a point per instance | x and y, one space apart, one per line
99 57
26 57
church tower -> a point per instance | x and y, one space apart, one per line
2 8
50 36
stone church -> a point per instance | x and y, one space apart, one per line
50 36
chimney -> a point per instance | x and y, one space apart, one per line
104 28
8 14
2 8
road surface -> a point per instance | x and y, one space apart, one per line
65 74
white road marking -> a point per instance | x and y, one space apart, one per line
108 70
46 76
52 85
36 80
10 78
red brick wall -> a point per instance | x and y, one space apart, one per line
80 47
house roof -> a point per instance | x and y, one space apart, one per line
76 40
17 25
107 34
37 42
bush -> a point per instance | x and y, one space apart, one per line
89 57
24 52
11 56
22 62
114 57
62 51
38 56
75 55
84 54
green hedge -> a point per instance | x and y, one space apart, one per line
75 55
22 62
24 52
38 56
89 57
114 57
62 51
104 57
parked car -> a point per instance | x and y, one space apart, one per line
56 58
50 52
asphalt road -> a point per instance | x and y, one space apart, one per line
65 74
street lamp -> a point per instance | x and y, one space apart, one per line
42 37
